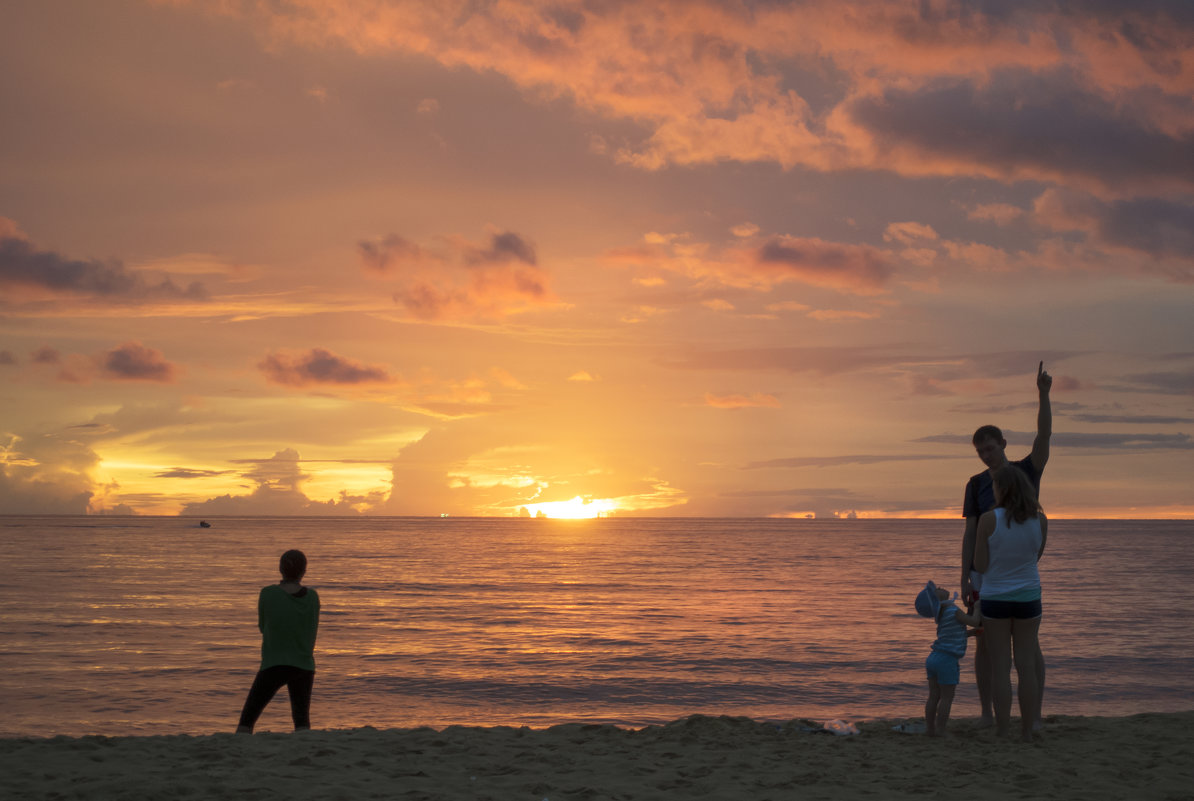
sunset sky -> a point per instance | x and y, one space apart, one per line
667 258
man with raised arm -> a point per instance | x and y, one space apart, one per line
980 497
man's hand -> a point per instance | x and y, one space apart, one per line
1044 381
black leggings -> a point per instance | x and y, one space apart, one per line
298 683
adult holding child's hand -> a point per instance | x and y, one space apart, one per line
989 445
1011 540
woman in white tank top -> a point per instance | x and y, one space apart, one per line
1011 539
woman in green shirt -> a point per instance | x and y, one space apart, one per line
288 616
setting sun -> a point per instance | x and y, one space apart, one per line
710 282
576 509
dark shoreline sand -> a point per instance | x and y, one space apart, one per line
1147 756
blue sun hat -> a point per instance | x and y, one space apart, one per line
927 602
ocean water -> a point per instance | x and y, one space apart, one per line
148 625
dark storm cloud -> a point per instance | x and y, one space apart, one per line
133 361
1023 123
318 366
23 265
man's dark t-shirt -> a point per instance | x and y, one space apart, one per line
980 495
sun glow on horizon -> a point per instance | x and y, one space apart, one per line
577 508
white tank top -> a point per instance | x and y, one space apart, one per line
1013 556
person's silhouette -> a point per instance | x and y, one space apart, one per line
288 616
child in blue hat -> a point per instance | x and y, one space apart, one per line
950 646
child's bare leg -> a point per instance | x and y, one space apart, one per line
931 707
943 708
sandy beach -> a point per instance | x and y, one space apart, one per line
1144 756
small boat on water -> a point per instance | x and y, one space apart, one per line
204 524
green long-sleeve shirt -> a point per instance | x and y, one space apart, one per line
288 626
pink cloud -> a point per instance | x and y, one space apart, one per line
848 268
859 269
917 88
907 233
460 280
1068 383
998 213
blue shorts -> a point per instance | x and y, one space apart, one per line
942 668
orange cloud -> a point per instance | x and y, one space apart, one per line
741 401
998 213
912 87
859 269
45 474
833 315
907 233
459 280
388 252
854 269
745 230
718 304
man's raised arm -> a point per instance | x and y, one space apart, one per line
1044 420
